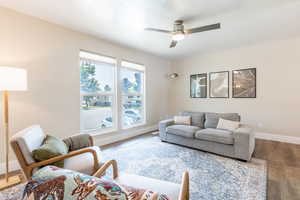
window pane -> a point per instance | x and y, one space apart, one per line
96 76
132 110
97 90
96 112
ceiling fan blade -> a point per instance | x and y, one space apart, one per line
157 30
203 28
173 43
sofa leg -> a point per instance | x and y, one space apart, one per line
242 160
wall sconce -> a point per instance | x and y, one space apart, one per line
173 75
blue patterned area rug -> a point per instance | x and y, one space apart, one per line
212 177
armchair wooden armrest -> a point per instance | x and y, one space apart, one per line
104 167
62 157
184 189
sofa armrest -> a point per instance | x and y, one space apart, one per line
244 142
79 141
163 126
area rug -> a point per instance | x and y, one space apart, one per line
212 177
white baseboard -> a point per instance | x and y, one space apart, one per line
13 166
122 136
278 138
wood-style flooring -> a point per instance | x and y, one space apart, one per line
283 167
283 161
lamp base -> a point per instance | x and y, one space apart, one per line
12 181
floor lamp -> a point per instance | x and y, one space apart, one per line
11 79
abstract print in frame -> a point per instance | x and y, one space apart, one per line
198 86
219 84
244 83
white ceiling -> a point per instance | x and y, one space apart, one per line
122 21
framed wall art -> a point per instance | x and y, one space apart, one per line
244 83
198 86
219 84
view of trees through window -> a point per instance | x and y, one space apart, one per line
132 97
98 92
96 83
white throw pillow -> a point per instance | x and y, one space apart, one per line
228 124
182 120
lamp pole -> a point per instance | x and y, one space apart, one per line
11 79
6 127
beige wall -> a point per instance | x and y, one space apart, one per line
277 106
50 54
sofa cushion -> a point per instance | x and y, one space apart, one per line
212 119
197 118
215 135
183 130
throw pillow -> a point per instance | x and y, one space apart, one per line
182 120
212 119
228 124
51 147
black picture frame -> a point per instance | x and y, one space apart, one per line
210 84
234 88
192 93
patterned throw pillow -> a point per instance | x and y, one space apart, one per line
54 183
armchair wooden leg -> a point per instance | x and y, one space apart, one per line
184 191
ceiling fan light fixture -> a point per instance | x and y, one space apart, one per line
178 36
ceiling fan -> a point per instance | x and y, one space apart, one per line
179 32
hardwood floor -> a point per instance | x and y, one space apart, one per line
283 167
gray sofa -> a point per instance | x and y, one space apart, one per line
202 134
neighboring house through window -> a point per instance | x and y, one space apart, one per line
132 94
97 92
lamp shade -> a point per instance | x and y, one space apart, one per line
13 79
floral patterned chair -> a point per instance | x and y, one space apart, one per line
53 183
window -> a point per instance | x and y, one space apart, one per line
97 92
132 94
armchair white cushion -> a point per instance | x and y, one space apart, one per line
83 163
168 188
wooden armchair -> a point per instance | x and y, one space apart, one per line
84 160
172 190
